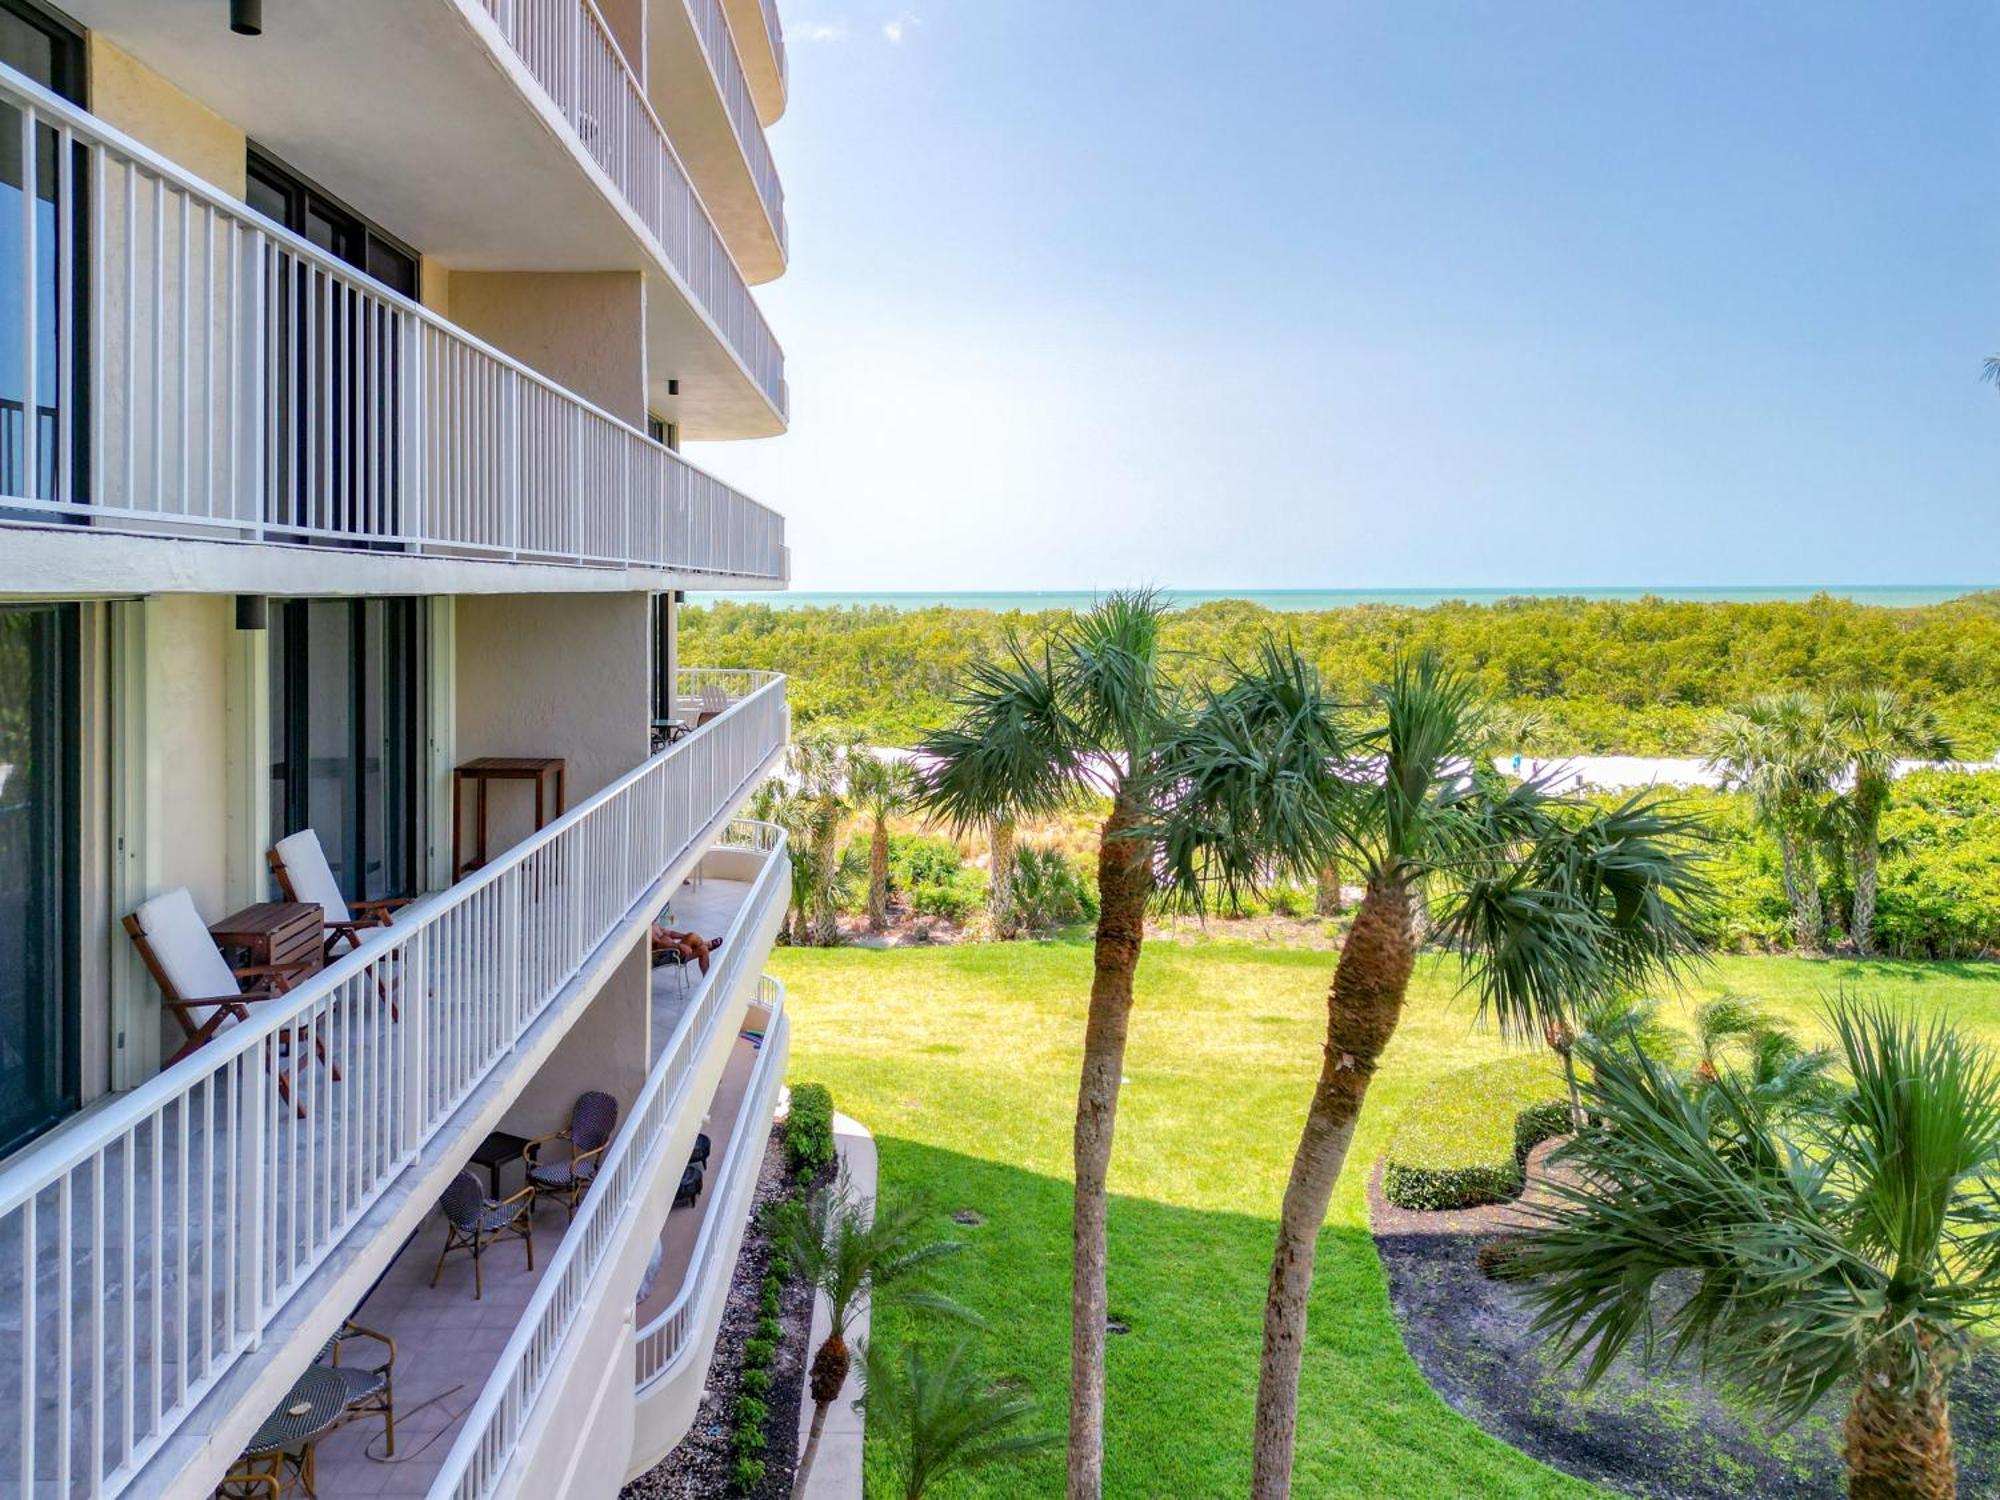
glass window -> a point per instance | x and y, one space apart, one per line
38 1077
345 743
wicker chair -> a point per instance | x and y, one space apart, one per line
371 1388
473 1221
593 1120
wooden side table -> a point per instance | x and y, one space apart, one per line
276 932
546 772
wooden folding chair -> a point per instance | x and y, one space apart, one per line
202 991
303 874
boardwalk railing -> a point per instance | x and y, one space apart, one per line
146 1245
572 54
487 1442
240 383
659 1347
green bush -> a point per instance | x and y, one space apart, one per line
755 1383
748 1474
919 859
1464 1140
809 1130
954 899
750 1413
1290 900
1050 891
768 1327
758 1353
747 1442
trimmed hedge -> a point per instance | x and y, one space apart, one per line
1465 1140
809 1130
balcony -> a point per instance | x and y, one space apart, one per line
171 1258
677 1323
760 45
582 74
242 386
697 79
497 135
499 1350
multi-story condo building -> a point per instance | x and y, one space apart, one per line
346 351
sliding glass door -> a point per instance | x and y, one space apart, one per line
38 792
346 738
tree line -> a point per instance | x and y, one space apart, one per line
1639 677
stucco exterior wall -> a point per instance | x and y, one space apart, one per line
555 674
131 96
585 330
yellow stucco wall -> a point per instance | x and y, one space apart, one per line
145 106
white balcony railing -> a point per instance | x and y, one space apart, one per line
149 1243
243 384
486 1443
572 54
718 43
659 1346
774 30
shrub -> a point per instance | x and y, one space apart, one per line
954 898
768 1327
758 1353
918 859
1290 900
755 1383
750 1413
809 1130
1464 1140
747 1442
748 1474
1049 890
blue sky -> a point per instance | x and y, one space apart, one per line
1394 294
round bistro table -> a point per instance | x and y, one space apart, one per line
311 1409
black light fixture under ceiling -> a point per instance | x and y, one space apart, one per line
673 387
246 17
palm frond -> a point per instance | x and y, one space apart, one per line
1015 748
937 1415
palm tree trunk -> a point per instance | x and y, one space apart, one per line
826 877
824 1379
1801 890
1867 857
1326 901
1898 1433
1363 1006
878 876
1124 879
1000 879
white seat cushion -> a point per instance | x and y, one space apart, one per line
311 876
186 954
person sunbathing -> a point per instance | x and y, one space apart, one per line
691 947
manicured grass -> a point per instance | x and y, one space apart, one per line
1464 1140
963 1063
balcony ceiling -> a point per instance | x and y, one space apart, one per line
403 110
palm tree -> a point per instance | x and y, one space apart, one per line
880 790
938 1417
1782 751
1594 1022
1852 1248
1875 730
818 761
1551 904
1041 732
828 1239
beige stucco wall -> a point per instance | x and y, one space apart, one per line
434 285
550 674
627 20
145 106
585 330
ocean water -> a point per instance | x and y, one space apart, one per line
1889 596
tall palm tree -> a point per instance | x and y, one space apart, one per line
829 1240
937 1416
819 760
1781 750
1550 903
1041 732
880 790
1874 730
1796 1254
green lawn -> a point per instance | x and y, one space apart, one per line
963 1060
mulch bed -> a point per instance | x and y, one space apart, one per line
700 1467
1661 1433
